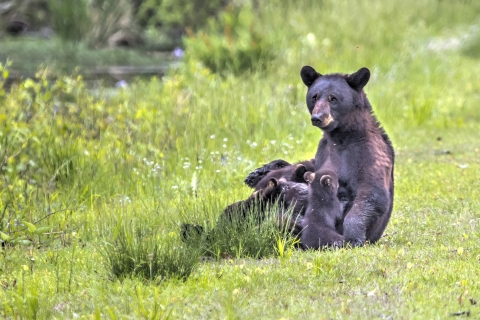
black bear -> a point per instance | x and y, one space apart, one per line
290 197
260 177
355 147
292 203
324 212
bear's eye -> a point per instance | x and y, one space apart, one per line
315 97
332 98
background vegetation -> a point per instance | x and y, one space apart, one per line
95 183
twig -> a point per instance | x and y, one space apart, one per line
41 219
5 209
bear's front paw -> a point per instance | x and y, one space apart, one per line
337 244
356 243
254 177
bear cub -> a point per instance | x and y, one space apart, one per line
260 177
274 188
290 197
324 212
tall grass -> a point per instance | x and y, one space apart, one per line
139 252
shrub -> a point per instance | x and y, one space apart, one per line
69 19
471 45
94 22
110 17
230 43
252 234
140 252
174 16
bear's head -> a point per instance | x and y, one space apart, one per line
324 184
292 173
332 97
287 192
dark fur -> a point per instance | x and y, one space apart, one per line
356 148
259 178
323 213
190 232
254 177
287 195
292 204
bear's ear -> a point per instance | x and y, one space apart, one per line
309 177
299 173
272 183
359 79
326 180
309 75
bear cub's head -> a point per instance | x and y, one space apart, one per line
330 97
323 186
288 193
260 178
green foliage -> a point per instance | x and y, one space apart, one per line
3 77
171 15
472 46
191 14
107 17
250 234
231 44
92 22
27 54
138 251
147 13
34 11
69 19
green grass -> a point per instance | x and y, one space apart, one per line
27 54
87 169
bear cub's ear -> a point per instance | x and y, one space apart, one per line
326 180
359 79
272 183
309 177
309 75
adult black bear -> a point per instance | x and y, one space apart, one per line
323 214
355 147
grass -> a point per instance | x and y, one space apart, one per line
164 152
27 54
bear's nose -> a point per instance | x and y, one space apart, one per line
319 118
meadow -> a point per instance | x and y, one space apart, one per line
95 185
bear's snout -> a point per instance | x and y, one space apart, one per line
321 119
